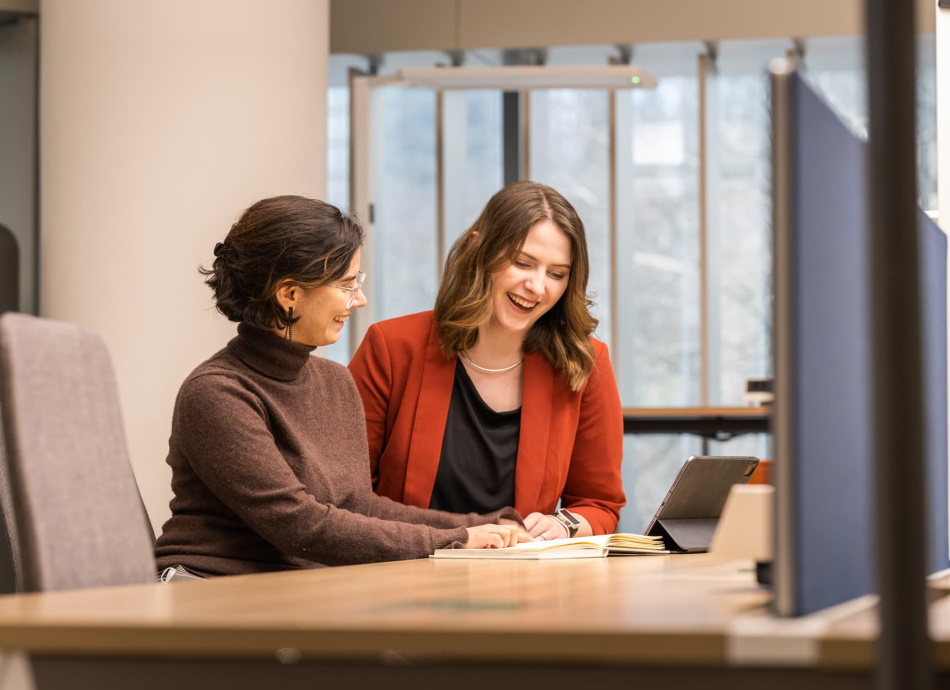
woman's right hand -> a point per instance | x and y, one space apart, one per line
495 536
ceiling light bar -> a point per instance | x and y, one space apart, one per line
526 77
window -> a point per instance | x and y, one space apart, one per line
569 152
655 327
658 262
338 183
472 139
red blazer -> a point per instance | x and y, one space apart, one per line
570 445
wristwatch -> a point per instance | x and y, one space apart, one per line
566 518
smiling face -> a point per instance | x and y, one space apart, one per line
322 311
526 289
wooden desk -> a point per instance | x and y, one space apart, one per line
643 610
711 422
849 642
666 619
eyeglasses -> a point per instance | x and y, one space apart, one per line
360 277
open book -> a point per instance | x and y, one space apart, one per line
577 547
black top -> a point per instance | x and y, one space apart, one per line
477 465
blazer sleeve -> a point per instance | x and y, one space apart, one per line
371 368
594 487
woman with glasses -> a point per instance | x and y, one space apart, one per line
268 444
501 396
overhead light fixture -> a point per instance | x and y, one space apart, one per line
525 77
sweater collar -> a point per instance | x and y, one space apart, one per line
268 353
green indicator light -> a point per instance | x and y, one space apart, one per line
635 80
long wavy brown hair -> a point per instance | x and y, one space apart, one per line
562 335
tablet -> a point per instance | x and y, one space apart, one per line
688 516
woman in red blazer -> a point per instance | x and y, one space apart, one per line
501 394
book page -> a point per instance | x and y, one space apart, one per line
575 547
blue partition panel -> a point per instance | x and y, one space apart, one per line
827 397
831 420
933 303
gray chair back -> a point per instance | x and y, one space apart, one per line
10 575
9 271
79 517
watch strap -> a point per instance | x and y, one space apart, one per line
566 518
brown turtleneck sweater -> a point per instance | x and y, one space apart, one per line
270 470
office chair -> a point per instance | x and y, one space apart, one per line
79 518
9 271
9 551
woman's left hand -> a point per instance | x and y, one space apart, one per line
541 526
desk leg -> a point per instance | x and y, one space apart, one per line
15 671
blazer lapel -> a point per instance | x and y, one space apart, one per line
428 429
536 401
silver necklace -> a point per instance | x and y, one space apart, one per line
492 371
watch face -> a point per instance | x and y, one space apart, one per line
569 517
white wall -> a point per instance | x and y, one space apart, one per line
943 115
943 126
160 122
